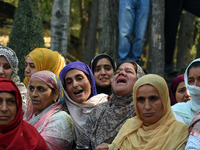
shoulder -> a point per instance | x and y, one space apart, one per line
61 116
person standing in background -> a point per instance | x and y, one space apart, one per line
133 20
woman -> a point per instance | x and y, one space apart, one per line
103 68
44 111
184 112
42 59
178 90
9 69
16 133
105 120
80 94
194 138
155 126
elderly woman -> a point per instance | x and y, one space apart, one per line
16 133
44 111
155 126
103 68
42 59
106 120
178 90
184 112
9 69
81 96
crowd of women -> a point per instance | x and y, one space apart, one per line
97 106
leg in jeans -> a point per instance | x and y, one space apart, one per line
141 23
173 9
126 23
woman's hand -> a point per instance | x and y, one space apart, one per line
103 146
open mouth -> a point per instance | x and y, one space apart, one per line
121 81
78 92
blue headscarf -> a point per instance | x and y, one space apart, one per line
82 67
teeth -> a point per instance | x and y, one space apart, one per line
78 92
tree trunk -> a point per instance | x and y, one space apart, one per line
157 37
83 31
90 48
60 25
108 27
26 32
185 41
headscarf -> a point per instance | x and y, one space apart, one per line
41 120
93 64
18 134
188 109
45 59
95 60
11 56
173 88
80 111
166 133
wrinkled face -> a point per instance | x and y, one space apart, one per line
194 76
41 95
182 94
124 79
29 67
77 85
103 72
8 108
5 68
149 104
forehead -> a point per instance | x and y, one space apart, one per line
103 61
3 59
74 72
29 60
37 82
126 66
6 95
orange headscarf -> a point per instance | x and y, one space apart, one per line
166 133
45 59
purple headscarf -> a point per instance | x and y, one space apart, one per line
173 88
82 67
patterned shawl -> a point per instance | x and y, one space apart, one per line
166 133
106 119
45 59
53 124
18 134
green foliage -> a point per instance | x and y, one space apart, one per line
26 32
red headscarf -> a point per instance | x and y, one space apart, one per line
18 134
173 88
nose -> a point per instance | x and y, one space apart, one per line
27 69
147 105
187 94
103 71
75 83
122 72
1 69
4 107
34 92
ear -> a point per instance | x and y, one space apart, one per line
55 96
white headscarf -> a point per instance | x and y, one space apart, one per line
188 109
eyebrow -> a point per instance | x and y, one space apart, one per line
68 78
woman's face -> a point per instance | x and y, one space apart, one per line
8 108
124 79
41 95
182 94
103 72
5 68
29 67
149 104
77 85
194 76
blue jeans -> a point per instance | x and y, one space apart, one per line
133 20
